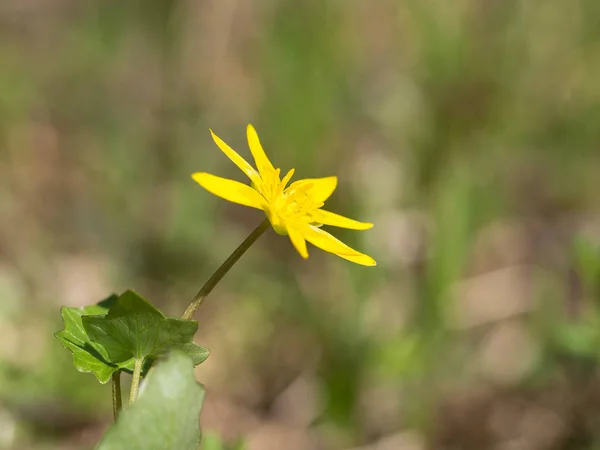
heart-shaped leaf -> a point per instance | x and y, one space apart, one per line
166 413
134 328
88 356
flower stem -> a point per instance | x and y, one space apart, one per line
221 271
116 394
135 381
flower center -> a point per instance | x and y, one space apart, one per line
296 203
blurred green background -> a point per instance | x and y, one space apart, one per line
467 131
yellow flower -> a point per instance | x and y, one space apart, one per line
293 210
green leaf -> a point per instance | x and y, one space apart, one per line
196 352
88 356
165 415
134 328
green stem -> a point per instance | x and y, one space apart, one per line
116 394
135 381
221 271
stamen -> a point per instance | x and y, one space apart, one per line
274 186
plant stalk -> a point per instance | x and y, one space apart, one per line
116 394
135 381
221 271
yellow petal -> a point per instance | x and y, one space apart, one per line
230 190
287 178
320 188
362 259
260 158
327 242
329 218
298 241
236 158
